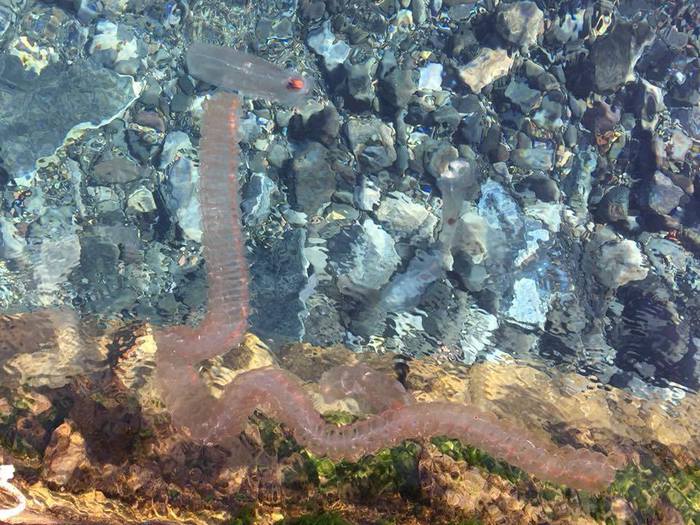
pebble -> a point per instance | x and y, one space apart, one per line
489 65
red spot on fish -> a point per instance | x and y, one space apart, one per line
295 83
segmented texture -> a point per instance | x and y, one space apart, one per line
280 395
223 247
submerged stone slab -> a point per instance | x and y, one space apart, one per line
38 112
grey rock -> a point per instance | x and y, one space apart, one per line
117 45
323 42
616 261
141 201
474 122
544 188
419 9
363 258
277 155
99 263
323 326
175 142
372 142
578 183
446 117
520 23
180 193
614 206
118 170
464 41
324 125
397 87
571 135
9 12
615 54
279 278
359 83
314 179
664 196
549 116
405 218
12 244
547 82
105 200
438 157
651 336
87 10
523 96
366 195
533 158
668 258
82 94
256 201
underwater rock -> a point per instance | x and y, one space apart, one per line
475 123
180 192
366 195
84 95
9 12
323 41
616 261
55 253
363 258
396 84
141 201
669 259
489 65
445 481
117 46
533 158
256 199
520 23
472 238
372 143
117 170
523 96
664 196
430 77
615 54
438 156
405 218
65 456
614 206
324 125
601 117
359 83
279 277
578 183
651 337
314 178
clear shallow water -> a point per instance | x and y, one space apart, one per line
538 311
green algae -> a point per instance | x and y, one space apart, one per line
387 471
324 518
478 458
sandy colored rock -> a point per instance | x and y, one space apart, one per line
488 65
65 454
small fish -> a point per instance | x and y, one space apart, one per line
247 74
